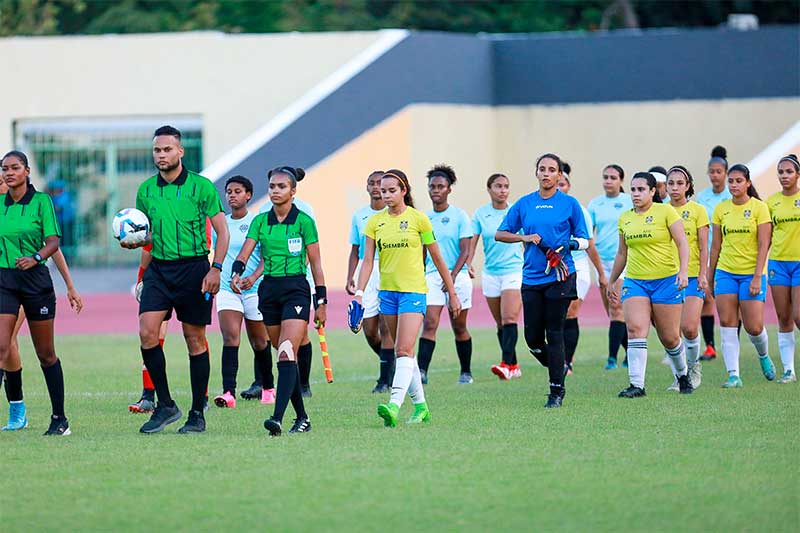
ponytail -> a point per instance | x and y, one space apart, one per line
751 189
401 177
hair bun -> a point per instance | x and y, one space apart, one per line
300 173
719 151
793 156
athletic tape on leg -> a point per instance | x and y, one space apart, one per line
286 347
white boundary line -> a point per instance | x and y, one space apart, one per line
772 153
388 40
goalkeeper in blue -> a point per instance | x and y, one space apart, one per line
550 224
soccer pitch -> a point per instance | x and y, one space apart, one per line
492 458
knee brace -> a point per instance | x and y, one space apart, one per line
285 351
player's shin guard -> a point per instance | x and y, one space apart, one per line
637 361
230 367
263 362
760 342
287 381
54 377
297 398
403 375
677 356
157 367
692 350
415 389
707 325
730 349
786 348
425 353
616 332
199 372
14 385
464 351
571 334
508 343
387 364
304 356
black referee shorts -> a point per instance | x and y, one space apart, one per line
178 285
284 299
32 289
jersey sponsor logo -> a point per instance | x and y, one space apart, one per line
782 220
295 245
747 213
727 231
635 236
544 206
386 245
404 225
298 308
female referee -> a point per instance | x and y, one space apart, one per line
17 416
233 307
401 232
653 286
583 278
29 234
501 278
286 236
680 187
553 222
453 232
605 211
739 248
784 261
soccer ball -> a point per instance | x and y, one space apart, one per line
130 226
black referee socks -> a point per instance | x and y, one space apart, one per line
304 354
199 372
508 343
230 367
425 353
157 367
297 399
616 333
54 377
287 382
707 324
14 386
264 374
464 351
387 364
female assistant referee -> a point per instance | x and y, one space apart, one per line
554 224
401 232
286 236
29 234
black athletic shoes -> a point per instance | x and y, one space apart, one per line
273 426
195 423
59 426
556 397
684 385
301 425
632 392
305 390
162 416
253 393
381 388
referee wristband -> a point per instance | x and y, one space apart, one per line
238 267
218 266
320 295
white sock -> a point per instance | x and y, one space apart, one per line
403 373
786 348
415 390
730 349
677 356
692 350
761 342
637 361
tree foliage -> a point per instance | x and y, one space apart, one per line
49 17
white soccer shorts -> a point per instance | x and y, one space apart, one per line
247 304
493 285
436 294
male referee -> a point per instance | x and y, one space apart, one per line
177 202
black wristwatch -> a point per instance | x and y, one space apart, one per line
217 265
37 256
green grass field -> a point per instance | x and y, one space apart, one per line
491 459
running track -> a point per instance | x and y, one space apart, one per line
108 313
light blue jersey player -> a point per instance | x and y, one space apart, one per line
501 278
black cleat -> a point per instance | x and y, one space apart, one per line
381 388
301 425
684 385
423 375
305 390
195 423
553 400
253 393
273 426
162 416
58 426
632 392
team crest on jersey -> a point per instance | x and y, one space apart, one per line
404 225
243 228
446 220
295 245
797 203
649 219
618 205
747 213
685 215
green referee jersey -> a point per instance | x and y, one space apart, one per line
283 244
177 213
24 225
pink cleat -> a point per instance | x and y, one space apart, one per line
225 400
515 371
502 371
267 395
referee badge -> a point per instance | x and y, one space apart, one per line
295 245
